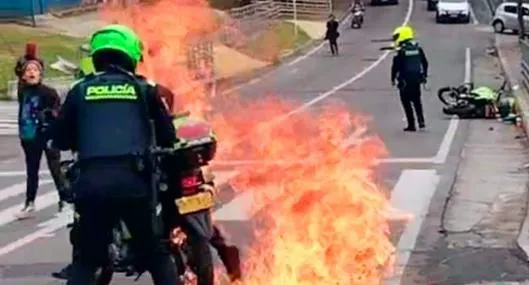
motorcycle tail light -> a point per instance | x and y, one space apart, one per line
190 185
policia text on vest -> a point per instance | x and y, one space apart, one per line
107 92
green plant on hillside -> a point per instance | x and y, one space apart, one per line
276 40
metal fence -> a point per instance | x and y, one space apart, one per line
524 47
306 9
250 20
20 10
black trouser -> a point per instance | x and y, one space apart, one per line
410 97
334 45
33 150
101 203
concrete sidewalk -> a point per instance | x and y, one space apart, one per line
487 203
509 54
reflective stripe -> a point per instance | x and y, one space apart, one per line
110 97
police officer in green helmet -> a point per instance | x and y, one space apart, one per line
410 70
106 119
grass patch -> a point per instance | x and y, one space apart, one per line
277 39
13 39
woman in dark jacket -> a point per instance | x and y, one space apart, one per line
38 105
332 34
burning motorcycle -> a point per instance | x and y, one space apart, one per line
358 18
186 198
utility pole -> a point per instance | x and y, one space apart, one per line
295 19
521 25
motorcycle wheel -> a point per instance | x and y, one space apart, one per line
447 96
463 112
201 261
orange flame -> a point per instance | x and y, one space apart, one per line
325 220
167 28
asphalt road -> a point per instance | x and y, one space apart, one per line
420 169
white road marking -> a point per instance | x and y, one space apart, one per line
60 220
446 143
412 194
468 66
47 229
444 149
253 81
17 189
41 202
20 173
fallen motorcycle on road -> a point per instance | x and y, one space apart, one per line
482 102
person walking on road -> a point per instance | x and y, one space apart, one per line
332 34
38 105
410 69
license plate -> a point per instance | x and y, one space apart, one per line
197 202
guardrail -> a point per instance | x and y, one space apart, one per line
250 20
524 61
309 10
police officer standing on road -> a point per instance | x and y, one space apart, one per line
410 69
106 120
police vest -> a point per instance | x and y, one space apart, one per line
113 117
411 61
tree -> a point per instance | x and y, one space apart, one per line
521 25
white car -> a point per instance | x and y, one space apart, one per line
453 10
506 17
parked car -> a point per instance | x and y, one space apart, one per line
506 17
380 2
448 10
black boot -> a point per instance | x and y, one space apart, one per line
64 274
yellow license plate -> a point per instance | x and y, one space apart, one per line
197 202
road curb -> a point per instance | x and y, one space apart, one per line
522 107
76 11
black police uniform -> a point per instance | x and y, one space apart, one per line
105 119
410 68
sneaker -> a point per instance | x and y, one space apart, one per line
26 212
422 127
409 129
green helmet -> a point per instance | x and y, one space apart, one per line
118 38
